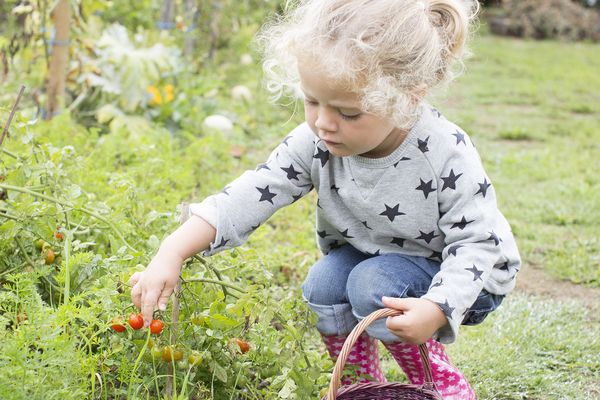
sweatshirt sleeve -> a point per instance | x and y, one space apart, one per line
245 203
477 237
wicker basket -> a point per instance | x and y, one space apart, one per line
377 390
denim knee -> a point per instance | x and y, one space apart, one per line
391 275
324 290
326 280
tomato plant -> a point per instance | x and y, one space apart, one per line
117 325
170 353
136 321
156 326
48 255
243 345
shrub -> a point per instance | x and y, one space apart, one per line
544 19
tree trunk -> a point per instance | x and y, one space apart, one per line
57 73
166 15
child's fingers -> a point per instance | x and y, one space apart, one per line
134 278
149 298
164 298
136 295
396 303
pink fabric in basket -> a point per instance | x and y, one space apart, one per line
364 354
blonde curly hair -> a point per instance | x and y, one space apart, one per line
390 52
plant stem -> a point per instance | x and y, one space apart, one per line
29 261
137 362
65 204
9 153
218 282
12 113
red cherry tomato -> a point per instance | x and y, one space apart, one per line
136 321
59 235
117 325
243 345
156 326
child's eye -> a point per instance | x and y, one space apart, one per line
350 117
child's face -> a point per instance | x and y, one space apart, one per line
334 115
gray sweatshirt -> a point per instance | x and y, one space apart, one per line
431 197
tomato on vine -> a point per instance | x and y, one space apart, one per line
48 255
243 345
170 353
116 324
59 235
156 326
136 321
195 358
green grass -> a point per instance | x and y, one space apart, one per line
533 109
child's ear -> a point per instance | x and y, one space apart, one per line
419 92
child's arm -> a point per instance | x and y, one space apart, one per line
153 287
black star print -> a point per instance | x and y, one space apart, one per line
322 155
345 234
504 267
262 166
495 238
450 180
436 112
377 253
462 224
402 159
323 234
438 283
476 272
428 237
225 189
426 187
392 212
265 194
296 197
446 309
483 187
291 172
288 137
337 189
319 204
223 243
423 145
398 241
452 250
366 226
436 255
459 138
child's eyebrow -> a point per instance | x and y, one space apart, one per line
334 103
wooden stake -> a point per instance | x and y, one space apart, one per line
10 116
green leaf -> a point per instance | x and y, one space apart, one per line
288 388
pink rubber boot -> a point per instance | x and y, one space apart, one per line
448 380
364 354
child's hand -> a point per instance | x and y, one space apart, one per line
152 288
421 318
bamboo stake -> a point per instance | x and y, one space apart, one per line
175 312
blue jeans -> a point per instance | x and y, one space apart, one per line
346 285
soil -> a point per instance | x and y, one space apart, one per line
534 281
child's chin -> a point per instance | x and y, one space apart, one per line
338 151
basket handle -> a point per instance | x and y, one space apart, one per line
335 383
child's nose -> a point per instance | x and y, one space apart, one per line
326 119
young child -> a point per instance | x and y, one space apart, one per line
406 215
